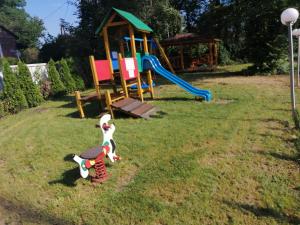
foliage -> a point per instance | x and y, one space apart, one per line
10 60
30 55
165 21
12 93
66 77
13 16
251 30
57 47
224 55
45 88
29 88
2 109
57 86
75 71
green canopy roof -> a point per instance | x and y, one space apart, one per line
132 19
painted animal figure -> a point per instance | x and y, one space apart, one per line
95 157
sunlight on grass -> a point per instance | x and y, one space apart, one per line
230 161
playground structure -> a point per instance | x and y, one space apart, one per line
187 63
129 68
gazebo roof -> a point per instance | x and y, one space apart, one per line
132 19
188 39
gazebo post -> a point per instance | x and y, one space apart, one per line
215 53
149 75
181 57
210 62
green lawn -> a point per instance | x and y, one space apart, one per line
231 161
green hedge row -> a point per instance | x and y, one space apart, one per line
20 92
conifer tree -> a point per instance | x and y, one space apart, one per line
66 77
29 88
57 87
12 93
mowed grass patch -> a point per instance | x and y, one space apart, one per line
230 161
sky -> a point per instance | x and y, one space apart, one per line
51 11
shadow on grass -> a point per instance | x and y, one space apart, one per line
30 214
91 110
295 158
69 177
264 212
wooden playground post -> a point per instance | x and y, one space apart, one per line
121 44
162 52
107 49
95 77
122 78
79 104
108 103
149 75
132 41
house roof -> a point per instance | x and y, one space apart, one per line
132 19
8 31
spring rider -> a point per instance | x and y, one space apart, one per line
95 157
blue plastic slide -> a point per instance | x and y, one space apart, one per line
151 62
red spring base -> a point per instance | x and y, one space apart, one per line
100 170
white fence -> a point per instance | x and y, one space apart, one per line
38 72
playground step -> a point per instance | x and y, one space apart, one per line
134 107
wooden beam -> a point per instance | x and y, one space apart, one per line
122 77
114 24
145 42
181 58
95 77
107 50
132 41
149 75
162 52
112 18
216 53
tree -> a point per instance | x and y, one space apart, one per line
57 87
30 89
66 76
12 93
251 30
28 29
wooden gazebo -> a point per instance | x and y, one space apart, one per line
186 41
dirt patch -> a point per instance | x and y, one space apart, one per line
126 177
224 101
278 80
41 110
2 162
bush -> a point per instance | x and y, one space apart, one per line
12 93
29 88
66 77
224 55
45 88
2 109
57 87
10 60
79 83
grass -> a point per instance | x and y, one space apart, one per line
231 161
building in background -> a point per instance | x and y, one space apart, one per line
8 43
